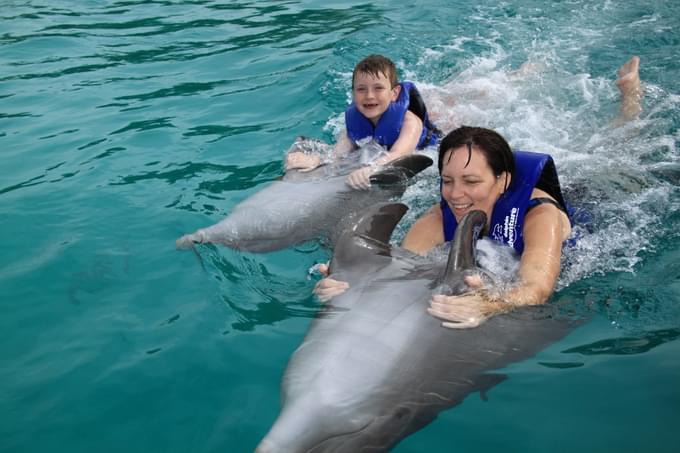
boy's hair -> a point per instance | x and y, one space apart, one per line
377 65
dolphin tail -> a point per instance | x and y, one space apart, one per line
399 170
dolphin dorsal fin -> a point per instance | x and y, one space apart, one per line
401 169
378 221
462 253
369 234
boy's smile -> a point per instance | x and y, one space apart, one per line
372 95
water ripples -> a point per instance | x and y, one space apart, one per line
116 73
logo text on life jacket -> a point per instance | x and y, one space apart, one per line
509 227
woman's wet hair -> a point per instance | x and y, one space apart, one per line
491 144
377 65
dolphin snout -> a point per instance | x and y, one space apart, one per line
188 240
266 446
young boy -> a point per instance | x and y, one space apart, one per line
390 112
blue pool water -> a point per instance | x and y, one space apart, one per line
126 124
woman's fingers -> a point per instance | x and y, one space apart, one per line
327 288
450 313
458 312
463 325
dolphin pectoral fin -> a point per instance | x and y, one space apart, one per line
378 221
400 170
486 382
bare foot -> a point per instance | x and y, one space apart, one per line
631 91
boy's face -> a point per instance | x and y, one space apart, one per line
372 95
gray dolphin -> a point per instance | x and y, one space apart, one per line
303 206
374 366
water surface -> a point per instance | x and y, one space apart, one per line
125 124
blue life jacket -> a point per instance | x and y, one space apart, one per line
532 170
389 125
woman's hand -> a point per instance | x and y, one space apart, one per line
328 288
302 161
360 179
466 310
460 312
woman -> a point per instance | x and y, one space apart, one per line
521 196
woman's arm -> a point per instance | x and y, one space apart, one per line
545 228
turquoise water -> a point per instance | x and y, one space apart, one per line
125 124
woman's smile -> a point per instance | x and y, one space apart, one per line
469 183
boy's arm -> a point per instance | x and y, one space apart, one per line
410 133
407 142
343 146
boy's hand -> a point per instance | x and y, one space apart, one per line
359 179
303 162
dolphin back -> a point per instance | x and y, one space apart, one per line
376 366
304 206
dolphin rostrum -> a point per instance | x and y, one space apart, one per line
374 366
304 206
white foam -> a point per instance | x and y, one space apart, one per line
543 107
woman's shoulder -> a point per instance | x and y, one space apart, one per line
549 212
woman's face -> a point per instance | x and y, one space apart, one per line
471 187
